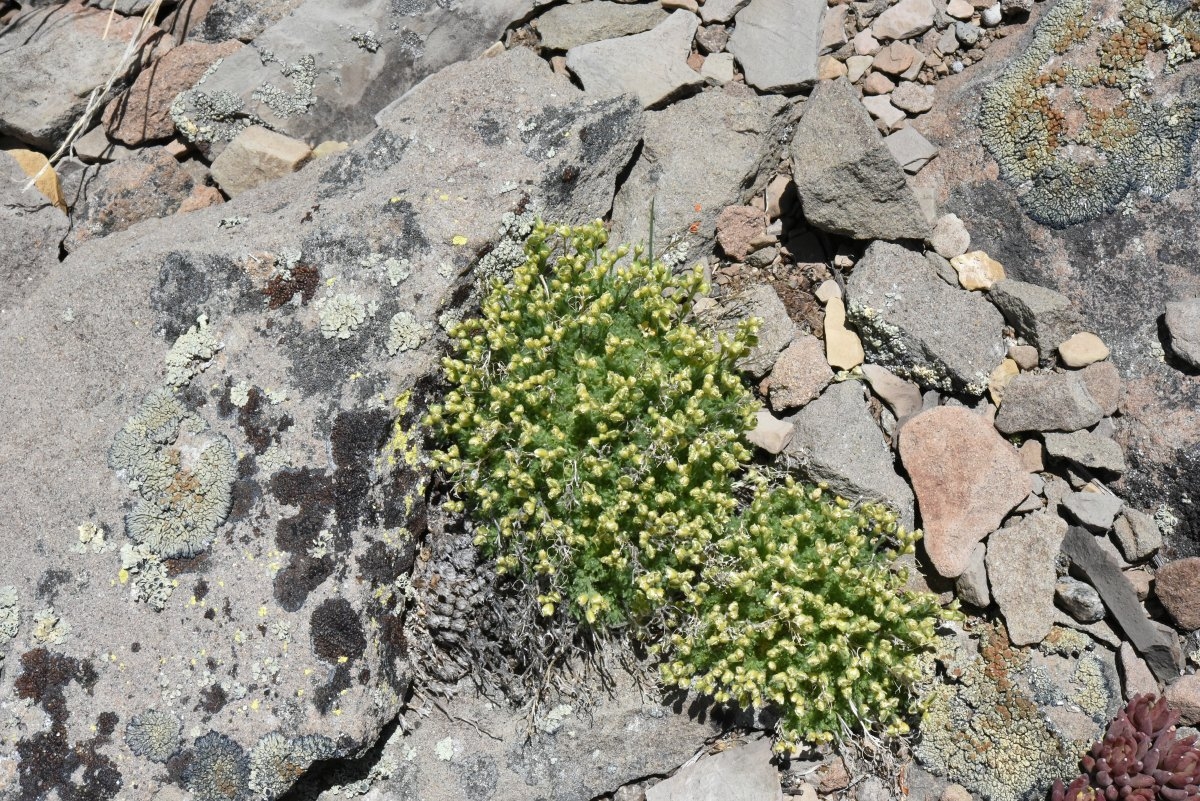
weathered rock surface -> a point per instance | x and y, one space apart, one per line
286 620
52 57
770 433
1088 450
1020 566
1183 324
902 397
1118 595
913 323
1044 317
777 43
1079 599
846 178
679 170
799 374
323 71
652 65
564 27
1047 402
904 20
257 156
1184 695
143 113
1095 511
1135 675
149 183
1177 587
33 229
837 441
966 479
741 773
910 150
1137 534
971 586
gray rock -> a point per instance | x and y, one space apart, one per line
1041 315
913 97
904 20
572 751
564 27
913 323
1079 599
651 65
721 10
1104 384
679 170
33 229
744 773
967 34
1137 534
799 374
950 237
770 433
837 441
1048 402
847 179
52 58
240 20
990 16
777 43
910 150
1135 674
943 268
314 409
1095 511
902 397
1183 325
774 334
870 790
1121 600
1087 450
1020 567
971 586
712 38
324 71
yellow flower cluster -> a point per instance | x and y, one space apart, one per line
596 439
594 434
804 614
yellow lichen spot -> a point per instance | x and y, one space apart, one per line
255 704
337 711
123 576
343 660
262 611
331 281
458 240
443 196
308 671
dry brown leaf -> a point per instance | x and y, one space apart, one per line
31 163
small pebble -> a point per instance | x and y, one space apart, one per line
990 16
1082 349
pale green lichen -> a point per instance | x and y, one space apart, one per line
191 354
219 769
92 539
49 628
277 761
239 394
146 575
341 315
405 333
1088 114
154 735
10 617
983 731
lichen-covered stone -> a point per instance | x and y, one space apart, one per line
1073 121
154 734
913 323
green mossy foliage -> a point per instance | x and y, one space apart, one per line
595 433
596 438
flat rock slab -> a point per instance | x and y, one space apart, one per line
651 65
777 43
324 71
1047 402
1020 567
742 773
799 374
915 324
52 58
847 179
256 339
33 229
966 478
1088 450
564 27
838 442
691 178
1103 573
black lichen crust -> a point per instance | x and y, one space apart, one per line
48 763
337 633
1076 122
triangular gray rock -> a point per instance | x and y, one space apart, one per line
651 65
847 179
